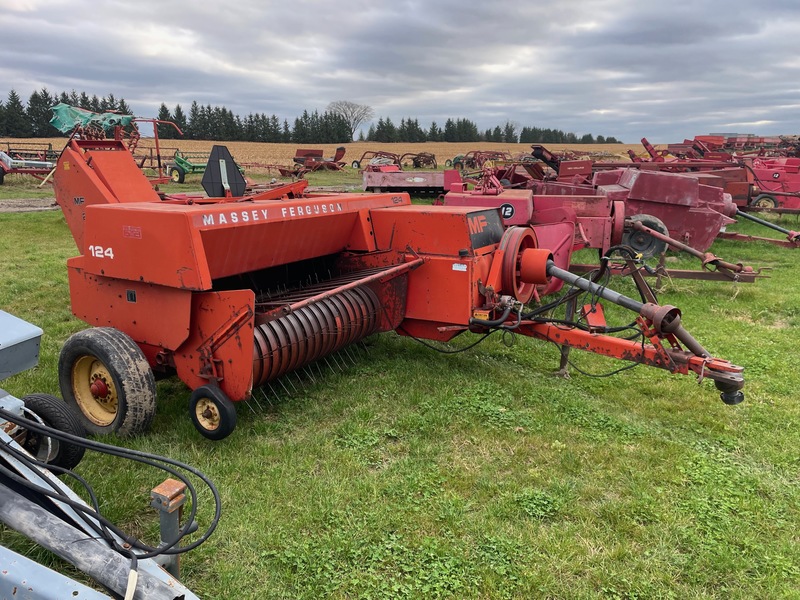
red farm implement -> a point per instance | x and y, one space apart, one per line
306 160
726 191
477 159
234 291
34 159
605 218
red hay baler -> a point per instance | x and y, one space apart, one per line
232 291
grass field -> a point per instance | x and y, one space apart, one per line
402 472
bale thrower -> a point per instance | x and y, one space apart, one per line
232 291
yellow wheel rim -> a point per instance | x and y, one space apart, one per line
207 414
94 390
175 176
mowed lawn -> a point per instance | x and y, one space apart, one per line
401 472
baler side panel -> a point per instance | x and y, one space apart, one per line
149 314
237 250
137 243
457 244
444 290
77 186
221 344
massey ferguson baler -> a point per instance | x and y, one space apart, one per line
233 291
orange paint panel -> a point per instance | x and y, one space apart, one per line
221 343
149 314
137 243
445 289
442 230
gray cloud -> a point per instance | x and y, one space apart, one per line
612 67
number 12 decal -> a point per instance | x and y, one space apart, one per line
100 252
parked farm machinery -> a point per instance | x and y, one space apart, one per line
232 292
34 159
605 217
726 189
477 159
373 159
306 160
187 163
40 438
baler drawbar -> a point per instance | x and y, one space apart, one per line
234 290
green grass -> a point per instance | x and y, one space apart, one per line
413 474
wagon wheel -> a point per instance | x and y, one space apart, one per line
764 201
105 376
54 413
644 243
177 174
212 412
356 165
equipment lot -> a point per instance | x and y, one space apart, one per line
405 472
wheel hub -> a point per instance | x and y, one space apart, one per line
94 390
99 388
207 414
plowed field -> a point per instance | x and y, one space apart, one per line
281 154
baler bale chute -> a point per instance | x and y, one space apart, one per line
231 292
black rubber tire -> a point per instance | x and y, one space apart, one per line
764 201
2 176
55 413
212 412
355 164
642 243
110 357
448 163
177 174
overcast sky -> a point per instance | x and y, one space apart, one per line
664 70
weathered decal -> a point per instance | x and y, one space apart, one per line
253 215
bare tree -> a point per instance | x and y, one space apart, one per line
353 114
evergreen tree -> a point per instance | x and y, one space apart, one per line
449 133
17 123
123 107
165 132
39 114
179 118
85 102
193 129
509 133
434 133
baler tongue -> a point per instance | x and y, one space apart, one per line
658 324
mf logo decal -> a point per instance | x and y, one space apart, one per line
477 224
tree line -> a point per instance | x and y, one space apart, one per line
333 126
